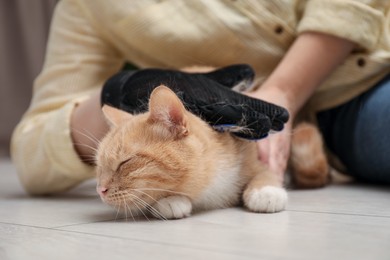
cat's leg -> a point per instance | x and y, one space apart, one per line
265 193
308 162
172 207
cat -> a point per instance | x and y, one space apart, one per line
169 163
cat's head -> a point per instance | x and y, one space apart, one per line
149 156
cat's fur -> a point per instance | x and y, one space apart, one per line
169 162
308 163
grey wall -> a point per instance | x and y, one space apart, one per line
24 26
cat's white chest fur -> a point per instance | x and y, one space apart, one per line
224 190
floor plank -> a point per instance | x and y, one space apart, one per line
346 221
22 242
286 235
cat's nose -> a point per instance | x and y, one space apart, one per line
102 190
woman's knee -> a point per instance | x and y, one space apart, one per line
358 133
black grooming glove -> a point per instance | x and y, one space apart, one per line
208 95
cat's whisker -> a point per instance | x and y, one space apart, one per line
117 211
125 207
144 193
131 213
129 209
90 137
140 209
147 206
156 211
90 158
145 215
93 138
88 146
159 189
152 210
132 216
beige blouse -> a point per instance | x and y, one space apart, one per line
91 39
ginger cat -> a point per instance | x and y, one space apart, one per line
308 162
169 163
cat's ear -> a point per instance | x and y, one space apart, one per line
166 108
115 116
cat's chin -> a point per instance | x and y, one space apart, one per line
124 207
113 203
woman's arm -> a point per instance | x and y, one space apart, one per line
78 61
88 126
308 62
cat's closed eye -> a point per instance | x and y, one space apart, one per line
121 164
134 165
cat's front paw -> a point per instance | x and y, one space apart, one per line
172 207
268 199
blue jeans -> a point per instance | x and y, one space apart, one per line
358 132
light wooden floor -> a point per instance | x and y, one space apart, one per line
338 222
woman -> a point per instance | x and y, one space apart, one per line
309 56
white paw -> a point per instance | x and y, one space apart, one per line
268 199
173 207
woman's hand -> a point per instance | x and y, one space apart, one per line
274 150
308 62
208 95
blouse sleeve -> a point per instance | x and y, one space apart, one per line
77 62
356 20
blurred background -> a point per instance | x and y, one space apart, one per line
24 27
